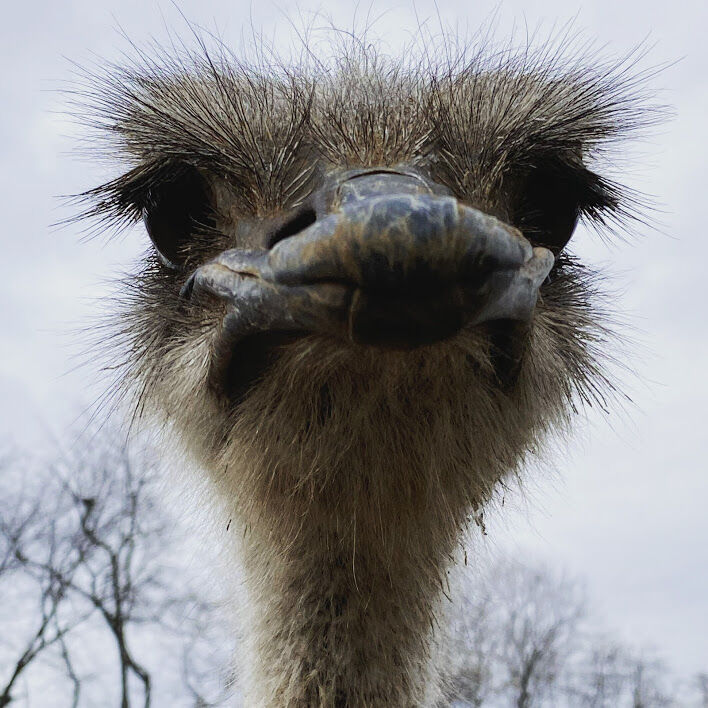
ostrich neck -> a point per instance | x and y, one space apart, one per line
343 593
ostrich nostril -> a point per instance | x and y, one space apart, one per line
291 225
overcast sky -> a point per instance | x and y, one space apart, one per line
626 508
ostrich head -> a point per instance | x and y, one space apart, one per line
360 316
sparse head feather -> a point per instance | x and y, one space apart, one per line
479 120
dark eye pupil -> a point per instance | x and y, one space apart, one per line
173 211
549 208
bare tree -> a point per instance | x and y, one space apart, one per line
539 616
473 648
701 684
648 679
518 640
37 558
597 676
202 652
87 534
518 627
118 532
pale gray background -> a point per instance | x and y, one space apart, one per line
626 507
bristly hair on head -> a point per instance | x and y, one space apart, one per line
476 115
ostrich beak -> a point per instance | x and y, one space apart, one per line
392 261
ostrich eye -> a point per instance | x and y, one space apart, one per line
173 210
549 207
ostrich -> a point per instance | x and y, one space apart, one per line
359 316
